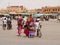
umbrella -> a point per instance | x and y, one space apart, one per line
37 15
6 14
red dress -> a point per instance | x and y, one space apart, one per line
26 30
19 26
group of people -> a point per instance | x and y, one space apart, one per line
30 26
6 23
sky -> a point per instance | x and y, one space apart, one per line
29 4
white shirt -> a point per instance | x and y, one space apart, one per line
38 24
25 18
4 21
4 18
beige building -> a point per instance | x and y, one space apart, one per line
3 11
50 9
32 11
38 10
19 9
16 9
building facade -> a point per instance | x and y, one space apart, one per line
16 9
50 9
32 11
22 9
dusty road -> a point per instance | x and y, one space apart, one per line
50 35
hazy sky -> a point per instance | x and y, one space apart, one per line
30 4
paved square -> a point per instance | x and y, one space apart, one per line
50 35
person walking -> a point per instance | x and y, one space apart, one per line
9 25
38 28
4 21
20 25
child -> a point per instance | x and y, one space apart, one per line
31 30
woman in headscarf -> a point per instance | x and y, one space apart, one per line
20 24
29 20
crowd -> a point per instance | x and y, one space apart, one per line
28 23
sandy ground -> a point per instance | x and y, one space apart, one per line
50 35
